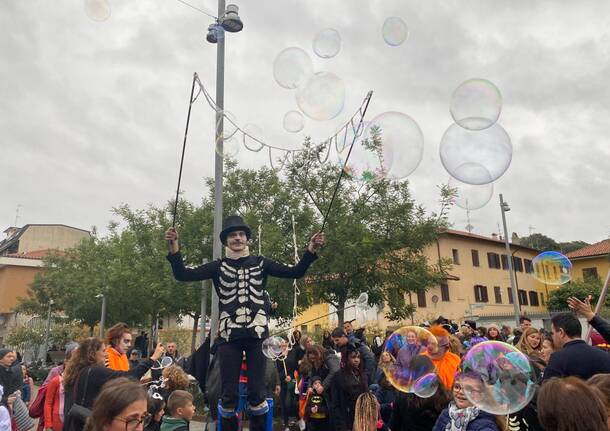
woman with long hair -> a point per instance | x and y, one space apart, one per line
530 344
85 374
349 383
120 406
327 341
322 364
366 416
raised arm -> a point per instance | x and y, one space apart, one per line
181 272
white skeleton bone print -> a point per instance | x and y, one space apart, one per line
241 289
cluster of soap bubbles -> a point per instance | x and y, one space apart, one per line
406 364
475 150
319 95
552 267
497 378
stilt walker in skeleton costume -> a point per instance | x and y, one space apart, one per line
239 280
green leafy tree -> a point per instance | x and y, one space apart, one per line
558 298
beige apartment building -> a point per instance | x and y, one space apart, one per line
477 286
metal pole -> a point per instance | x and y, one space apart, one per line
46 335
103 317
503 207
218 165
204 306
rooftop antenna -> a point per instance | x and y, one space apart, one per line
19 206
530 229
469 226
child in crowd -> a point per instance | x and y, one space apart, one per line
180 411
366 416
156 410
317 414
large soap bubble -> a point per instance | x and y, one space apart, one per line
552 267
292 67
275 347
400 140
327 43
497 378
476 104
322 96
405 362
490 148
97 10
468 196
253 137
293 121
394 31
367 162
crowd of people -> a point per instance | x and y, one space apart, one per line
339 382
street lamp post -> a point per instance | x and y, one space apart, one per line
47 332
504 209
103 316
228 20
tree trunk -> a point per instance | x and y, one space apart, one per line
341 312
194 334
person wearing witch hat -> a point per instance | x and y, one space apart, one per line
239 280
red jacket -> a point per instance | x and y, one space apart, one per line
54 404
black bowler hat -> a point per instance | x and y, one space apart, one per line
231 224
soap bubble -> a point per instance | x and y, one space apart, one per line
404 363
322 96
394 31
97 10
275 347
490 148
496 377
476 104
366 163
426 385
252 132
401 141
327 43
468 196
294 121
229 123
230 147
552 267
292 67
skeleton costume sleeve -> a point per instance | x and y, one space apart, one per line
240 285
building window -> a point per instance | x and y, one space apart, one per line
303 328
498 294
475 257
456 256
542 298
590 274
510 295
444 292
493 260
522 297
528 266
534 298
421 299
317 328
480 293
504 261
517 264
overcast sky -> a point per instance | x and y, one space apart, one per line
92 113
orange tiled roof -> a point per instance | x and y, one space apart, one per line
36 254
597 249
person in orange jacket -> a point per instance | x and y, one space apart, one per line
118 339
446 362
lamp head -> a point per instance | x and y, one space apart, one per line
212 36
231 21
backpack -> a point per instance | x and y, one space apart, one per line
36 409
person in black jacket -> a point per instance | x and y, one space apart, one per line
323 364
11 377
85 374
368 359
574 357
317 411
412 413
348 384
239 280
